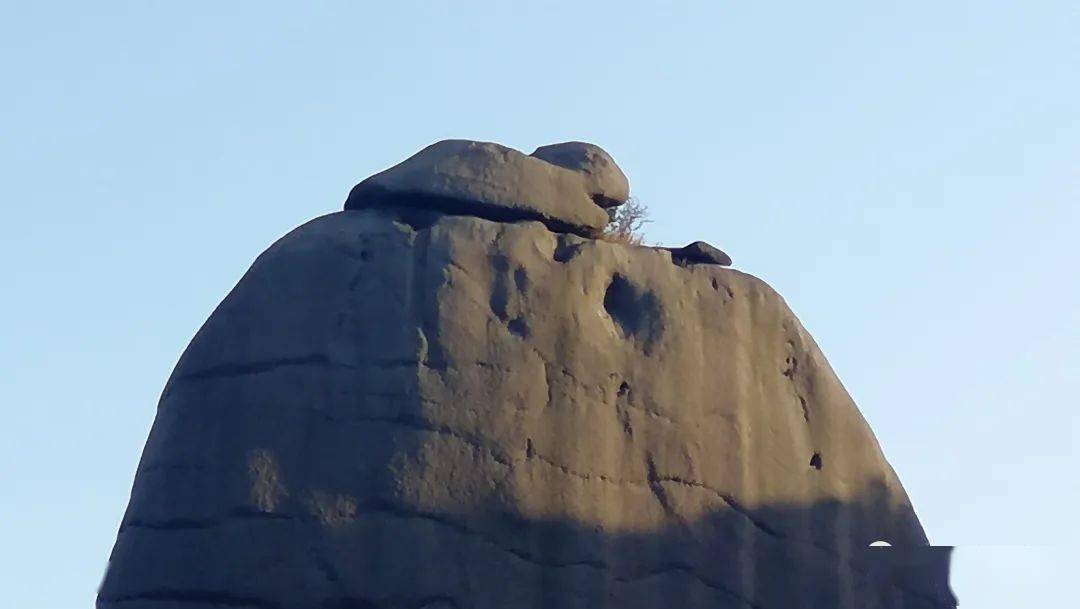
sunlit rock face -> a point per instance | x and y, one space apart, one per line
400 408
566 186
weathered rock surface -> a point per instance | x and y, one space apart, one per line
699 252
606 183
432 400
491 415
492 181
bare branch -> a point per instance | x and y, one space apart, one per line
626 222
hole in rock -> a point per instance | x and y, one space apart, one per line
565 251
624 390
880 544
521 279
636 312
815 461
499 301
518 327
791 365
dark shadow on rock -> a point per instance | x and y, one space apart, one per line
382 555
366 196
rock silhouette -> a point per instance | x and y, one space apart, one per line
440 399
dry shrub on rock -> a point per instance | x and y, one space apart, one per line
626 222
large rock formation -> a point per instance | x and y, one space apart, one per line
401 408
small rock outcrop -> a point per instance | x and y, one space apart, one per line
564 186
699 252
606 183
483 410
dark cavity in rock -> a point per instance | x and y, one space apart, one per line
636 312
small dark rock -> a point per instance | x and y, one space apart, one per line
698 252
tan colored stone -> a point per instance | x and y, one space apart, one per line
491 415
488 180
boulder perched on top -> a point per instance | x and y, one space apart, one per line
491 181
607 184
699 252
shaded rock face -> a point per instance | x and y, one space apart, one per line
464 413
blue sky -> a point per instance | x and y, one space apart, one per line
907 175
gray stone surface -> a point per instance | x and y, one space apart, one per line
699 252
460 413
606 183
492 181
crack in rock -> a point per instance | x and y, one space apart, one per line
401 513
318 360
419 424
690 572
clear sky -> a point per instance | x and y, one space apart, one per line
906 174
